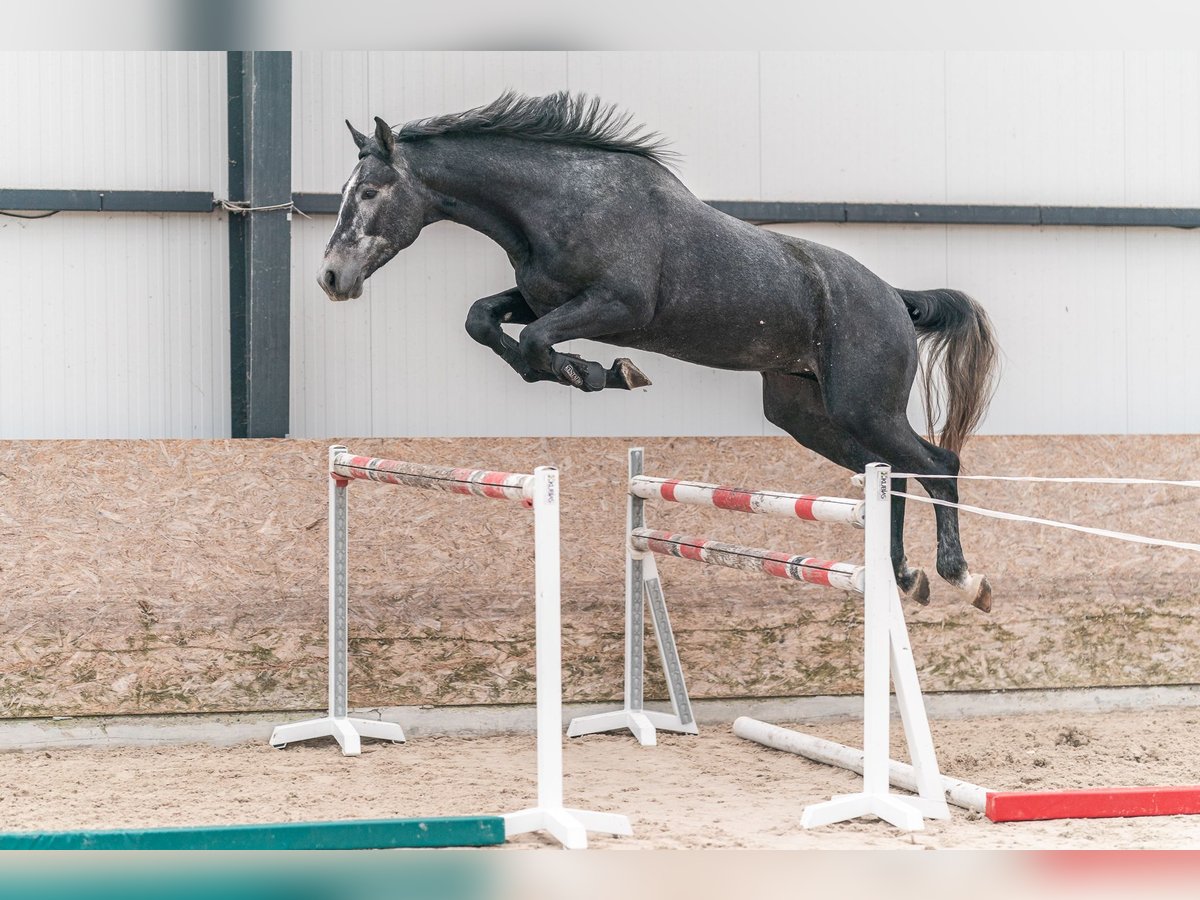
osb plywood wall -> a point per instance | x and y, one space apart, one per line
168 576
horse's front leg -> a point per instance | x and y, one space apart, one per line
595 312
485 322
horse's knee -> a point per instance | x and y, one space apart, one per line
535 348
480 325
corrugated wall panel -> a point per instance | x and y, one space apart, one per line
676 94
1162 128
1162 331
117 326
118 121
1058 300
1030 128
1080 128
854 126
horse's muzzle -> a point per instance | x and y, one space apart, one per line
340 286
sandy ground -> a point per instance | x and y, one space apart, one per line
711 791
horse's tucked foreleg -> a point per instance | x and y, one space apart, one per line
484 324
593 313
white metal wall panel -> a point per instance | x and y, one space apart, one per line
1057 297
116 326
854 126
113 120
1162 331
397 86
1162 128
679 94
1077 310
1029 128
327 87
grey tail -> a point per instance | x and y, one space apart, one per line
961 361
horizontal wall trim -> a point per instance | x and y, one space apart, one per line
318 204
759 212
106 201
961 214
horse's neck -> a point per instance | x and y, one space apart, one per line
479 187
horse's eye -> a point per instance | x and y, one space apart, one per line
369 194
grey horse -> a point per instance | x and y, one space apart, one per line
607 244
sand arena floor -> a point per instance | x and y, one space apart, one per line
711 791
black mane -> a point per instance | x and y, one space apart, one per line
560 118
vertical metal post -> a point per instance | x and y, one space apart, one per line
260 174
635 613
921 753
668 650
878 594
876 648
548 628
337 724
568 826
642 584
338 589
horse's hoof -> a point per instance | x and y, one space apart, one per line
626 375
918 589
980 591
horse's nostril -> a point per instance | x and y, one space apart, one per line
331 278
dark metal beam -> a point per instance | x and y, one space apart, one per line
107 201
962 214
317 204
260 172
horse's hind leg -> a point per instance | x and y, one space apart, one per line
794 403
881 426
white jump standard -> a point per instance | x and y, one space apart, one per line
539 491
886 635
337 723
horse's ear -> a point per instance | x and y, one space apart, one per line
383 134
360 139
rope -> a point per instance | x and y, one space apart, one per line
45 215
1013 517
1055 480
241 207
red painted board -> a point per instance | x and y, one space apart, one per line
1093 803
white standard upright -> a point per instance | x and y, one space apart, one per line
337 723
641 584
886 640
568 826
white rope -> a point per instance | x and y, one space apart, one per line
1012 517
236 206
1056 480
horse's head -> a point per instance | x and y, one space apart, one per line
384 208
